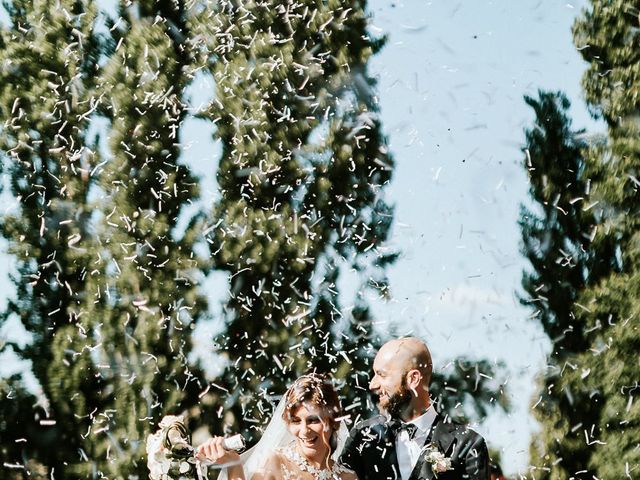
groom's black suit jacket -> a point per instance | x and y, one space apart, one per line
371 452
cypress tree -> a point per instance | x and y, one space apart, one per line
608 367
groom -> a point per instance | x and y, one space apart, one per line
411 441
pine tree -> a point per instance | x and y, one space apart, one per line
47 63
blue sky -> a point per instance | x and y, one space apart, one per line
451 81
452 78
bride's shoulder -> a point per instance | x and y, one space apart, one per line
271 469
275 459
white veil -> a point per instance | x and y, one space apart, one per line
277 435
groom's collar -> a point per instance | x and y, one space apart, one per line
425 421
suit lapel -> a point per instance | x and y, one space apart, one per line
441 436
389 440
421 471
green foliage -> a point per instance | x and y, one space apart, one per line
555 233
49 159
468 389
141 300
609 370
106 248
587 298
612 314
560 241
17 423
106 281
302 175
608 37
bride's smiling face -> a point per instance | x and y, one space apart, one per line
308 423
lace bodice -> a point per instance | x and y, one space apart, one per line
289 464
336 472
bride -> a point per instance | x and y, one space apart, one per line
304 447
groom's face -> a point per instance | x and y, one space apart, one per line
389 384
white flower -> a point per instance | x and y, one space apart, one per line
439 463
169 420
158 458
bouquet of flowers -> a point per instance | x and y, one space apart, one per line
170 455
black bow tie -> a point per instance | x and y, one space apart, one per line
397 426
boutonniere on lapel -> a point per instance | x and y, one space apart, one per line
439 463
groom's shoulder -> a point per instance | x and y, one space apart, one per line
462 431
372 424
377 420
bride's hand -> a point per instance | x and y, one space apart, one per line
213 451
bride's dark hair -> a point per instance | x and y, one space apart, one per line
316 389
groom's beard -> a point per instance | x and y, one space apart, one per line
398 402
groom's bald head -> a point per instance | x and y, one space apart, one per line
401 376
409 353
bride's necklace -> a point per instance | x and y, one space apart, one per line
317 473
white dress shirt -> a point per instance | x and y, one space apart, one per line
408 450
